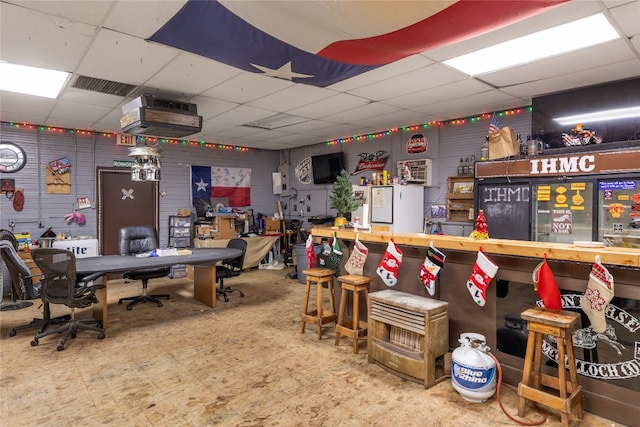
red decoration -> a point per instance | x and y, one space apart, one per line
481 231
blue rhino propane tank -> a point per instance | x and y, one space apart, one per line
473 371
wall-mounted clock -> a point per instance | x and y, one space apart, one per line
12 157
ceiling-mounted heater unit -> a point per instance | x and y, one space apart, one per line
150 116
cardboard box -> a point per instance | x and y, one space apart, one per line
272 225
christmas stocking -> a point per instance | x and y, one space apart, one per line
355 263
597 295
335 256
430 269
546 286
483 271
311 253
389 265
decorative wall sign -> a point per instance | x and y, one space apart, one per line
417 144
8 186
371 162
58 183
303 171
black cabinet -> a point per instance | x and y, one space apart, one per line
180 231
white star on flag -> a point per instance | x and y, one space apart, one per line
283 72
202 186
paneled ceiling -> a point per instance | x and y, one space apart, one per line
110 40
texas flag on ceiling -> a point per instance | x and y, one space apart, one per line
221 183
324 42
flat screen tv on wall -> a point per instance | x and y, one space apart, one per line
327 167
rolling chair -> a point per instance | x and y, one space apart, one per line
61 285
139 239
231 268
22 285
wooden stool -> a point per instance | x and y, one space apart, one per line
319 317
559 325
353 328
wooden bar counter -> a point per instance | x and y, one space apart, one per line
608 364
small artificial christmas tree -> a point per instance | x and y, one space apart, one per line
342 198
481 231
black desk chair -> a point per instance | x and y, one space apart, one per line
22 286
231 268
61 285
136 240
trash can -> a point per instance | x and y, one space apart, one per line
302 262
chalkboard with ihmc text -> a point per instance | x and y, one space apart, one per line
507 208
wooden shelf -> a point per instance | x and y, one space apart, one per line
460 198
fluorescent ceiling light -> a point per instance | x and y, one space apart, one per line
31 80
542 44
275 122
599 116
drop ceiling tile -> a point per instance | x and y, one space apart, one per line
90 113
392 120
141 18
292 97
627 16
241 115
384 72
130 60
25 104
585 77
210 107
247 87
332 105
194 73
82 96
65 12
456 90
35 39
361 113
424 78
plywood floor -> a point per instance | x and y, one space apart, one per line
244 363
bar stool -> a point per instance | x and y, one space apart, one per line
568 399
352 328
319 316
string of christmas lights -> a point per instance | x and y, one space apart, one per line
413 128
355 138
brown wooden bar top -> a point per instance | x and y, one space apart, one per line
628 257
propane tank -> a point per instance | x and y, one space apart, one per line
473 371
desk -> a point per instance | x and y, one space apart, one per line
257 247
204 274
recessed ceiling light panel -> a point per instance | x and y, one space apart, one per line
31 80
554 41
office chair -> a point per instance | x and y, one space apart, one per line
61 285
139 239
231 268
22 285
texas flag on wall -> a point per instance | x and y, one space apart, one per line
209 182
324 42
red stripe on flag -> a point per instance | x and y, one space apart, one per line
460 21
238 196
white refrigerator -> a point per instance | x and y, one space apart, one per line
400 207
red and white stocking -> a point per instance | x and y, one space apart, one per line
597 295
483 271
430 268
389 265
311 253
355 263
